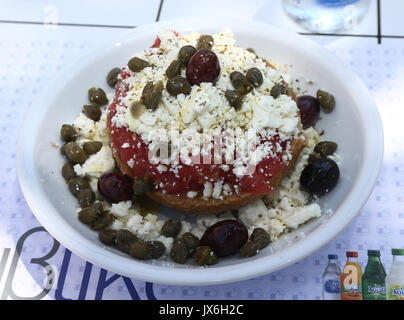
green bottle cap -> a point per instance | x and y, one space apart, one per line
397 252
373 253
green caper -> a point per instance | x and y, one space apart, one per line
124 238
86 197
142 185
68 171
179 252
77 184
204 256
249 249
240 82
151 96
313 157
326 99
234 98
325 148
136 64
75 153
63 149
92 147
136 109
148 88
157 248
205 42
254 76
107 236
68 133
174 69
251 50
103 221
261 238
171 228
98 96
140 250
92 111
90 214
191 241
279 89
178 85
185 53
112 77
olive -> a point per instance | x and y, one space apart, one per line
309 108
327 100
205 42
136 64
92 111
124 238
171 228
86 197
234 98
254 76
204 256
68 171
75 153
179 251
203 66
191 241
151 95
240 82
112 77
178 85
140 250
225 237
90 214
115 186
320 176
249 249
107 236
136 109
279 89
77 184
174 69
260 237
103 221
157 248
142 185
185 53
98 96
92 147
68 133
325 148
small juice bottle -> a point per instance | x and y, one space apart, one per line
373 280
395 278
351 278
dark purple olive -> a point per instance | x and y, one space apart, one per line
225 237
203 66
320 176
115 187
309 107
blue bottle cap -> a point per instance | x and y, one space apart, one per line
333 256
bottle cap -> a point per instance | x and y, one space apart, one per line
333 256
397 252
352 254
373 253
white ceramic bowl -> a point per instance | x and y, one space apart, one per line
355 125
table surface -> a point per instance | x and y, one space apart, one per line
38 38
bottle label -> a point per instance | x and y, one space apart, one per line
396 293
374 291
332 286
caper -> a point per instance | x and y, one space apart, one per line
152 95
148 88
77 184
136 64
185 53
86 197
112 77
278 89
174 69
136 109
63 149
124 238
204 256
103 221
325 148
68 133
254 76
140 250
68 171
179 251
191 241
261 238
249 249
92 147
90 214
326 99
240 82
98 96
313 157
178 85
107 236
142 185
251 50
234 98
92 111
204 42
75 153
157 248
171 228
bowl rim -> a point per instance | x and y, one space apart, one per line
94 253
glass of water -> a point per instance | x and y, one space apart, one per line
326 16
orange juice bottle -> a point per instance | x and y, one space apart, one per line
351 278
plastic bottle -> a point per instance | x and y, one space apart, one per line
395 278
351 278
331 279
373 279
